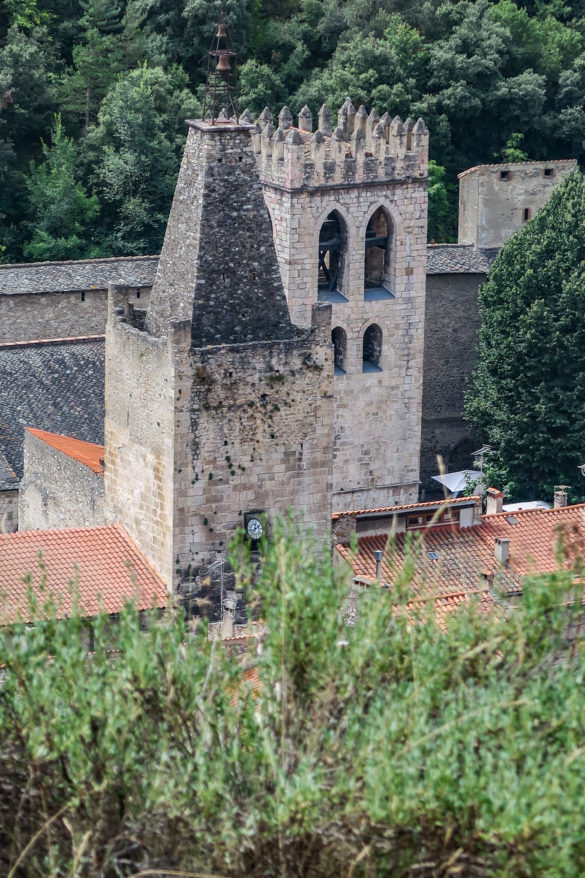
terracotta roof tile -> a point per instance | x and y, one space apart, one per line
87 453
108 566
428 505
453 560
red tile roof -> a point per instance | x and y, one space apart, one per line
107 565
406 507
87 453
457 560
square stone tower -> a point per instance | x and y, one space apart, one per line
349 215
218 407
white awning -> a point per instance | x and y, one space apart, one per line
455 483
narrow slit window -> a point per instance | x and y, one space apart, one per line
339 339
372 349
526 212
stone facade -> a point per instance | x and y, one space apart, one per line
8 511
67 299
57 491
451 327
57 315
210 419
496 200
370 174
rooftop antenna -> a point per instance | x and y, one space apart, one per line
220 102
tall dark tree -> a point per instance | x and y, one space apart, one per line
527 396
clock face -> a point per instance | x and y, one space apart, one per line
255 529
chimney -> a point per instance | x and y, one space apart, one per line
561 497
502 549
495 501
378 555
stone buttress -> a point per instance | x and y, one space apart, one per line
217 405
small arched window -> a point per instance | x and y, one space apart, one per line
339 339
331 256
372 351
377 257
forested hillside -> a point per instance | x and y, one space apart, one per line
93 94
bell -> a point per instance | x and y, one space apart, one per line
223 63
221 31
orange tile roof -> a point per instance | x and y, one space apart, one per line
429 504
461 559
105 562
86 453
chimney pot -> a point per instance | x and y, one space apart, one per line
502 549
495 501
561 497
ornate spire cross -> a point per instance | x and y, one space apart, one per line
221 87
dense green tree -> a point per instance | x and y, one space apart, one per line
135 149
61 210
388 747
527 397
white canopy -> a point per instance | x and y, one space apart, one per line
455 483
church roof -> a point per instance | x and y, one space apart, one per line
55 385
459 259
81 274
102 564
87 453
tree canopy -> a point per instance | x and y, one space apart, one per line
484 75
390 746
527 395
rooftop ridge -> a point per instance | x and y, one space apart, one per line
97 261
538 511
427 504
51 341
516 164
87 453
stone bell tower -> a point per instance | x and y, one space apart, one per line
218 407
348 203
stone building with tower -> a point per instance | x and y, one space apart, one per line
288 350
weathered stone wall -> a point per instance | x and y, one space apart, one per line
377 414
27 316
57 491
139 435
8 511
254 433
493 198
451 328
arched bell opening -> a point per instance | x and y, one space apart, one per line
331 256
339 339
378 257
372 349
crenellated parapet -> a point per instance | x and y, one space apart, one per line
363 148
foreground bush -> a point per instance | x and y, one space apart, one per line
389 747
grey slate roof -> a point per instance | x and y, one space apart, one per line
85 274
52 385
459 259
139 271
